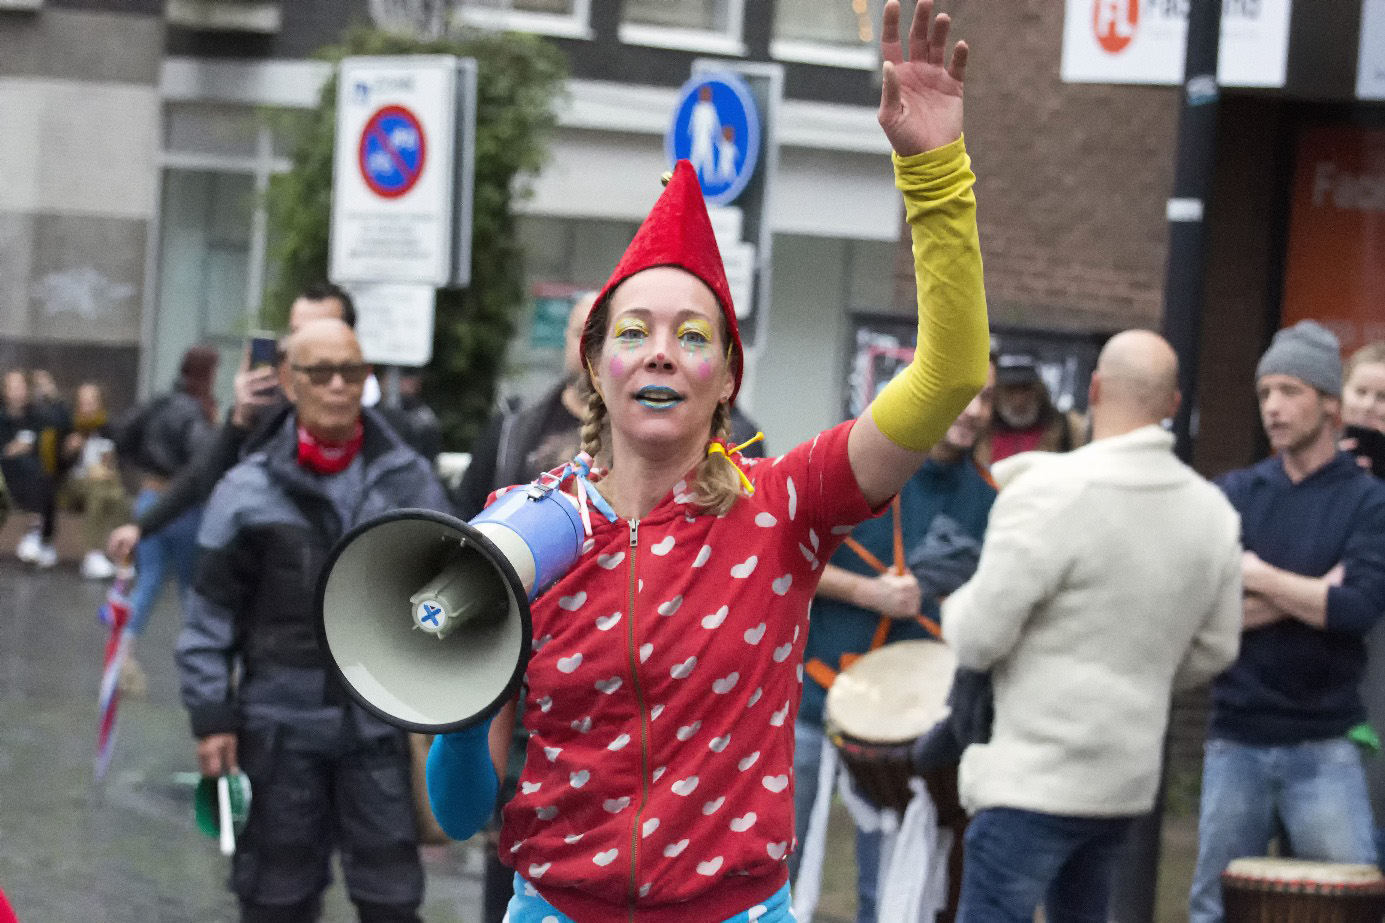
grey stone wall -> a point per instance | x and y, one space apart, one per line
78 89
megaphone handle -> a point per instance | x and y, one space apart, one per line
223 799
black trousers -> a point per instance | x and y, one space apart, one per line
33 490
306 803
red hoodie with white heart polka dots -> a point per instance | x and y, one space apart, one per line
661 695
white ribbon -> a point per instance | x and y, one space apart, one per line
912 887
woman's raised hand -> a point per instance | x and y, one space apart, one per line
921 99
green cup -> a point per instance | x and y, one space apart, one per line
207 808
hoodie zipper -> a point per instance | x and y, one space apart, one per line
633 653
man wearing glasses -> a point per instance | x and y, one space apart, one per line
324 773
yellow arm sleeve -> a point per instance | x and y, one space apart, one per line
950 364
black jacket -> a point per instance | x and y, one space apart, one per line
177 430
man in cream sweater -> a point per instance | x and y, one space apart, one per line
1109 577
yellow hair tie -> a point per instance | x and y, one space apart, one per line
719 447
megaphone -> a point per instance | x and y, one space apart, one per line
426 618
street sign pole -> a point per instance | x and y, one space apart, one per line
1185 279
766 82
402 183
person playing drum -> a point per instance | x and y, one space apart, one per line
667 663
866 599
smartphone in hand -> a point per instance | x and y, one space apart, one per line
264 351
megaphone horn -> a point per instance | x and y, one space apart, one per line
426 618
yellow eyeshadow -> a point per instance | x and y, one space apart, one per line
695 326
627 324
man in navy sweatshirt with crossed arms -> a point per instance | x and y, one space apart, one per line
1313 528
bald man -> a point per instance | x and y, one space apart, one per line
326 775
1109 577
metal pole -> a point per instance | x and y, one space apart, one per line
1192 181
1136 884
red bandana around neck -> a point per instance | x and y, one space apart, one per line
328 457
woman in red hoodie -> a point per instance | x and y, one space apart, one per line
667 664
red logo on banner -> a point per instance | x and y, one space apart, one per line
1114 22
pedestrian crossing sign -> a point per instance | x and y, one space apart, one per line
716 127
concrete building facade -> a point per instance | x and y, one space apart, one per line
131 223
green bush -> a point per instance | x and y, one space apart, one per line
519 81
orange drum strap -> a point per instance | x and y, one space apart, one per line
821 673
882 631
864 554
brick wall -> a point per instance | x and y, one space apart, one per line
1071 179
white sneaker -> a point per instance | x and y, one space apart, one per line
47 556
28 548
95 566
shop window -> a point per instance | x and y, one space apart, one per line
561 18
212 238
842 33
695 25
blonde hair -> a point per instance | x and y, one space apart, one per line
716 482
1370 354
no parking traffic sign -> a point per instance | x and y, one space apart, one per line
402 171
393 150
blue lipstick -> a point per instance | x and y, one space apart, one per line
658 398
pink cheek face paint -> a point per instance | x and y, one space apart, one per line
703 370
617 367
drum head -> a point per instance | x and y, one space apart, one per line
894 693
1271 869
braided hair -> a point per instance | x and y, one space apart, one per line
593 420
717 482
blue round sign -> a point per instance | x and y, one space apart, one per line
716 128
392 151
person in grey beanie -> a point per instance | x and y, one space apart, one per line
1307 351
1287 725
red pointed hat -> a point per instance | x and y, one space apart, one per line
679 233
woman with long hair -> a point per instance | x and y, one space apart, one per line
1363 394
667 663
92 484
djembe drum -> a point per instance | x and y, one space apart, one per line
1270 890
875 710
879 706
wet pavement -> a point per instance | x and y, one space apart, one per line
128 852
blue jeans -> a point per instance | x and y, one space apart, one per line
1316 789
174 547
1015 860
807 756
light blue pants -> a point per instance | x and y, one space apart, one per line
173 548
528 907
1316 789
